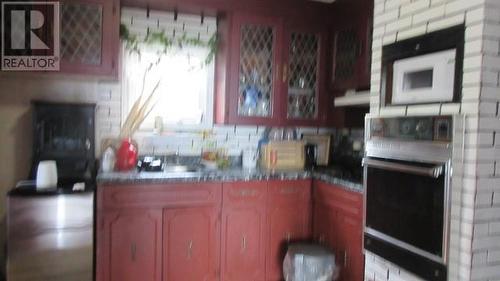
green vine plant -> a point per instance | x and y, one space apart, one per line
165 43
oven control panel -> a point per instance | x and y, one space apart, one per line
426 128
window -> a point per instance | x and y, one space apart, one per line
186 83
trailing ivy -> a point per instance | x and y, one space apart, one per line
165 43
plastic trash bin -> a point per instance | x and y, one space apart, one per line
309 262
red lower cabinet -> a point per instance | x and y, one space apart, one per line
158 232
129 248
338 224
350 249
289 213
323 219
244 230
191 244
235 231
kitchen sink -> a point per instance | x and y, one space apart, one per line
181 168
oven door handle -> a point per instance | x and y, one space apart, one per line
433 172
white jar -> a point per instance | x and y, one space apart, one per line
249 158
108 160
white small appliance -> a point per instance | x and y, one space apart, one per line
46 174
427 78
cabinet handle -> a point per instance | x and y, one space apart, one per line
285 73
243 244
288 237
133 251
346 256
359 49
247 192
190 249
322 239
87 144
289 190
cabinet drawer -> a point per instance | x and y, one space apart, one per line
349 202
159 195
244 193
289 191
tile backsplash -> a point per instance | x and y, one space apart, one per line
232 139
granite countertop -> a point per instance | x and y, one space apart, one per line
329 175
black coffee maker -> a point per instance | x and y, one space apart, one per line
311 155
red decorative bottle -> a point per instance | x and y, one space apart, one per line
126 157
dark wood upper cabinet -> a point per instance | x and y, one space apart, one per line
273 74
255 61
89 33
304 74
351 51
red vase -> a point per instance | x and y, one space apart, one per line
126 157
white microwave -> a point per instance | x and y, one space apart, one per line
424 79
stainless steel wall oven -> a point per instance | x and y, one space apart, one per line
407 169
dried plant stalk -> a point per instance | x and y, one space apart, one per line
140 110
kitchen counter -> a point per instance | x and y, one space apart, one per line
329 175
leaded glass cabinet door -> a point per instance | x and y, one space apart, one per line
302 75
89 36
81 32
256 64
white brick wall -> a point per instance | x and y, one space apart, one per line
475 225
486 241
108 99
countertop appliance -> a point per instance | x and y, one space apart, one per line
311 155
407 179
322 142
50 232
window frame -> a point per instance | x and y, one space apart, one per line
148 127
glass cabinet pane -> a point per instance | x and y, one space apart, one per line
346 53
302 78
256 70
81 32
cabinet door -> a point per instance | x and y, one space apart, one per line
244 244
244 231
89 33
351 52
129 245
255 68
191 243
338 213
323 219
288 220
350 255
303 76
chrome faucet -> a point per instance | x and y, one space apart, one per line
177 157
